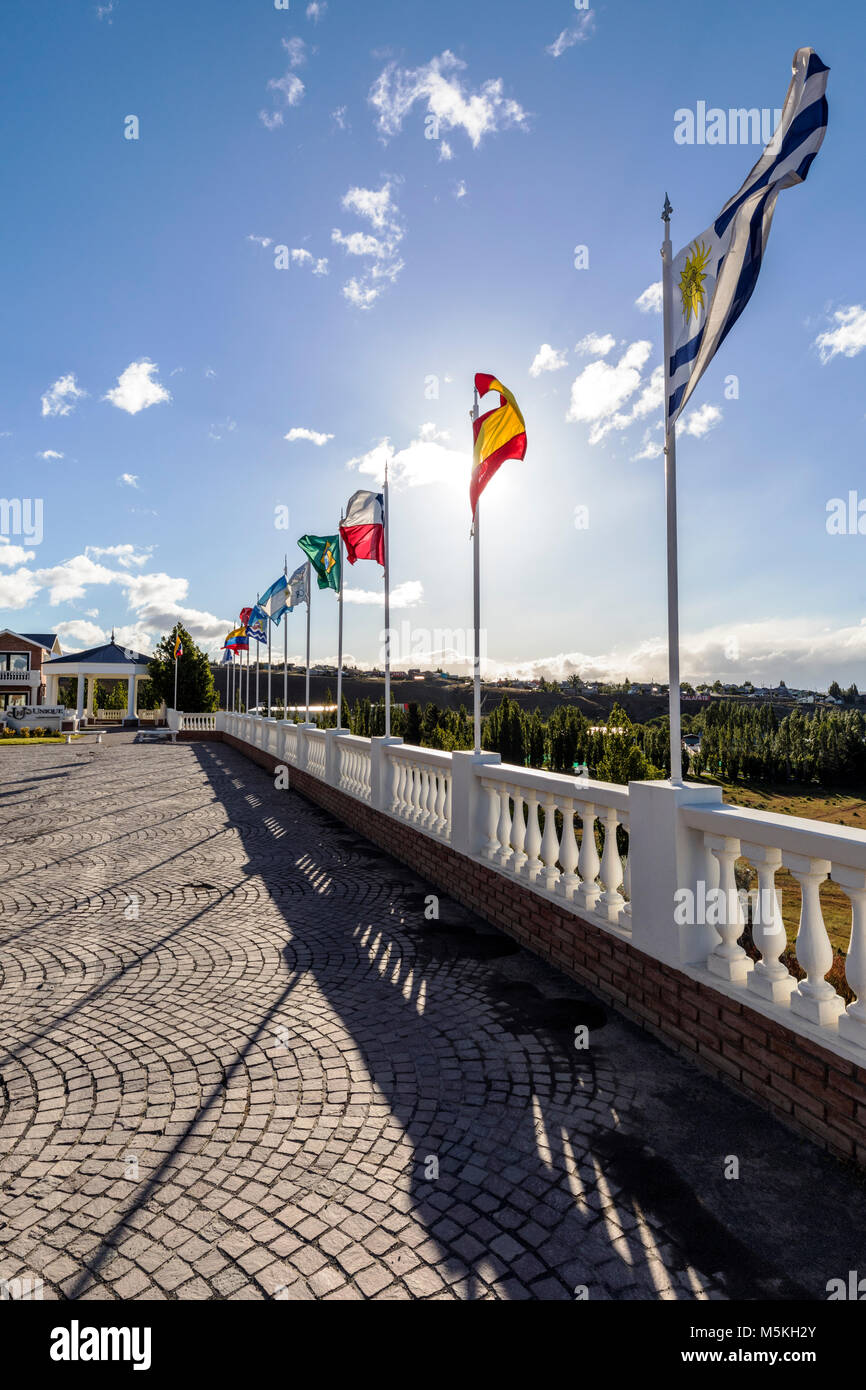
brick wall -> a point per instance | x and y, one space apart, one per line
806 1086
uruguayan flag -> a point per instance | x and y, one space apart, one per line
274 601
714 276
298 587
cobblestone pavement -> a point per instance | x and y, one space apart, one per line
237 1060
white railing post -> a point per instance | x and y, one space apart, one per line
304 745
728 960
852 1024
664 857
468 799
770 978
814 998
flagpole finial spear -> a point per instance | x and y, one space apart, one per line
667 210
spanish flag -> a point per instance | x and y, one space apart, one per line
178 647
499 434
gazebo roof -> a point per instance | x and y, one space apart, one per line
108 655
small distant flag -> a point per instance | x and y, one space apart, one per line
297 592
363 527
714 275
256 625
237 641
227 656
178 647
245 615
324 555
499 434
274 601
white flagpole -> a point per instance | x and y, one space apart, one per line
309 600
247 701
671 501
340 630
258 661
476 601
286 651
270 625
387 525
175 676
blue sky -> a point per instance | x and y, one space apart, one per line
142 273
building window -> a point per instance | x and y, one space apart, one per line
14 661
8 700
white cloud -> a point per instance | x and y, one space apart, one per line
700 421
297 51
427 460
264 241
453 106
376 206
49 455
460 190
406 595
221 429
271 119
650 448
847 338
548 359
339 117
316 10
650 302
137 388
445 152
291 87
596 344
17 589
314 436
128 480
63 396
77 635
598 392
11 554
578 33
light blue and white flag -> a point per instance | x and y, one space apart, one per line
256 625
714 276
274 601
298 588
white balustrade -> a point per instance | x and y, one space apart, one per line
544 831
419 788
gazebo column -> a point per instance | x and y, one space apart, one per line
80 698
130 697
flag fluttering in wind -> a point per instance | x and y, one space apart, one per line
237 640
178 647
245 615
256 626
274 601
499 434
714 276
324 555
363 527
227 656
297 590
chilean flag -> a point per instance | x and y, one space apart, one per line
363 527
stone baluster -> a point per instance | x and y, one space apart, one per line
813 998
518 832
503 828
852 1024
588 865
770 978
549 876
446 825
441 796
611 901
568 853
490 848
532 841
728 960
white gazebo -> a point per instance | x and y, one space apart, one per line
110 662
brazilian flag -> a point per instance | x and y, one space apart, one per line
324 553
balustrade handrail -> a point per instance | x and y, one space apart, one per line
410 752
557 784
842 844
